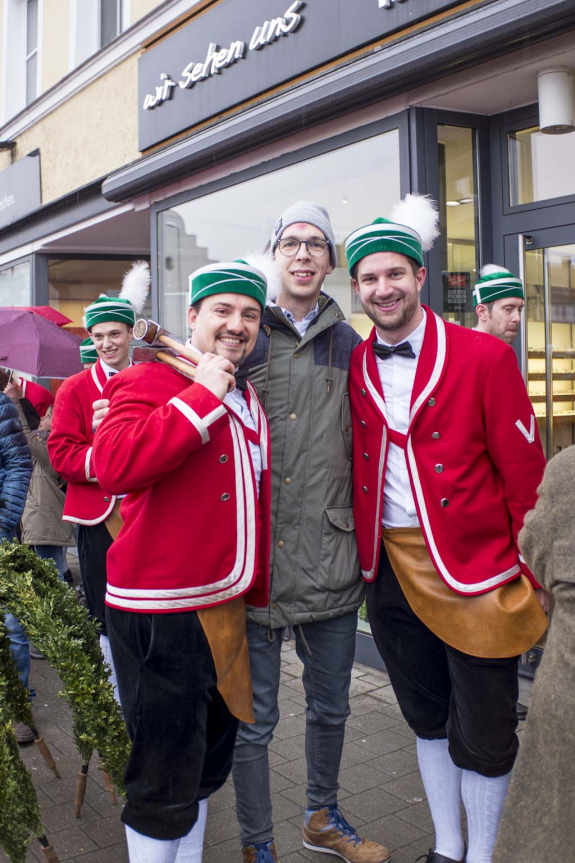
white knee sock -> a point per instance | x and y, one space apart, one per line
144 849
442 782
192 845
109 660
483 798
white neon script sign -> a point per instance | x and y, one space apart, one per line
218 58
388 4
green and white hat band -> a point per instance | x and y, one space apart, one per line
109 309
383 236
88 352
237 277
495 284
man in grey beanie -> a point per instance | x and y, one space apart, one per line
299 367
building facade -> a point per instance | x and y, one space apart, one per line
178 131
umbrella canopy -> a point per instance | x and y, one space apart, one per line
45 312
32 344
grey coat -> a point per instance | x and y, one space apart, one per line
538 821
42 517
303 384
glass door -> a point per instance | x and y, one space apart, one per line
549 274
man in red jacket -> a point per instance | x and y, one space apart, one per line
193 457
109 320
447 460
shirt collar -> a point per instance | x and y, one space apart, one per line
108 370
309 317
415 338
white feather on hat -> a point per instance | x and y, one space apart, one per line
266 263
420 213
489 269
136 285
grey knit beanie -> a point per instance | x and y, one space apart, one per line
311 214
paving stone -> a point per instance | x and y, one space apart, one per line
284 809
105 831
409 788
58 817
221 826
360 686
223 852
290 749
354 754
290 727
360 777
290 707
225 798
419 815
373 805
72 842
295 771
369 723
365 704
385 693
393 832
382 742
396 763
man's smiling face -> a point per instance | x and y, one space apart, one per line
112 342
303 274
225 324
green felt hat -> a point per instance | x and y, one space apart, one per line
410 231
496 283
88 352
237 277
126 307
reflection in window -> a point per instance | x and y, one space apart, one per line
31 49
458 218
74 283
15 285
540 166
356 184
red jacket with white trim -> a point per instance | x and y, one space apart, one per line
472 449
194 533
37 395
70 446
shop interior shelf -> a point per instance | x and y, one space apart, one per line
539 354
557 397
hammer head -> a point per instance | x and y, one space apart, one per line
146 331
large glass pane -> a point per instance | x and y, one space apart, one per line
74 283
109 20
458 214
31 26
355 183
550 284
31 77
15 285
540 166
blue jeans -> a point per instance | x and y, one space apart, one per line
327 651
52 552
19 646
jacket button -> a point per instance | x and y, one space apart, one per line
438 468
431 402
364 488
280 543
435 435
106 499
223 459
287 480
363 392
444 502
225 496
274 605
293 416
366 457
363 423
296 355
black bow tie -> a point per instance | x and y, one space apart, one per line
112 373
385 351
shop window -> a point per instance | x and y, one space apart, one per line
20 66
74 283
355 183
31 50
94 24
15 285
458 216
540 166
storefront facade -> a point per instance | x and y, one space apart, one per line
243 106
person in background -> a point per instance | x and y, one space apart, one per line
15 471
88 353
42 525
498 298
30 412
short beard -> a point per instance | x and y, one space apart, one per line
407 314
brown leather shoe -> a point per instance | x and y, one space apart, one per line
255 854
327 831
23 733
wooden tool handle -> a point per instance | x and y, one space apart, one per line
176 363
185 350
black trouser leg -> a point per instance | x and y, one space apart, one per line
94 540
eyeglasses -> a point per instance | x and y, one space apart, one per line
290 247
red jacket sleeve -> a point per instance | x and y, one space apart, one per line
142 440
70 440
513 441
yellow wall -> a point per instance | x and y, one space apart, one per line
89 136
139 8
55 42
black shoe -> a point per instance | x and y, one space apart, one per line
68 577
434 857
35 653
522 711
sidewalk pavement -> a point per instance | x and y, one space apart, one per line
381 791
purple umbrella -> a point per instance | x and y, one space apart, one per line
33 344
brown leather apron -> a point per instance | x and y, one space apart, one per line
501 623
225 630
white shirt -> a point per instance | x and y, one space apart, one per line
397 376
236 402
109 370
301 326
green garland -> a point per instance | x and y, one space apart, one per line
19 810
48 609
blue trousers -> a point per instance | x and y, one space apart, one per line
326 649
52 552
19 645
